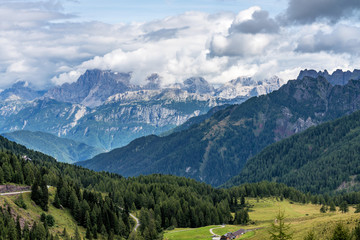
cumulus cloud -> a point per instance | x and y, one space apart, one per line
259 23
164 33
241 45
309 11
343 39
249 35
40 44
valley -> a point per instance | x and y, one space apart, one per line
228 138
302 218
179 120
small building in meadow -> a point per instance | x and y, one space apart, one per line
233 235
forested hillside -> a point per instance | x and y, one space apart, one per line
100 202
218 148
321 159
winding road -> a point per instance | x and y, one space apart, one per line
211 230
13 193
137 225
137 221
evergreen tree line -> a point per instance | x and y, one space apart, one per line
10 229
317 160
163 201
91 210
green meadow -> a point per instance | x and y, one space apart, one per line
301 217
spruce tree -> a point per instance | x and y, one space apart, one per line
77 234
56 202
310 236
357 208
280 230
332 206
341 233
344 207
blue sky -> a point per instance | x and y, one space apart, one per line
113 11
50 42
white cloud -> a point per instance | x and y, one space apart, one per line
39 44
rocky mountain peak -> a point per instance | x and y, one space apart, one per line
152 82
249 87
92 88
198 85
338 77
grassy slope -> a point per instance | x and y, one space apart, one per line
302 217
63 218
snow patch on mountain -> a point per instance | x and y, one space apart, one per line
248 87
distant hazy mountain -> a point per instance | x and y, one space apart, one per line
64 150
20 91
218 148
248 87
338 77
103 110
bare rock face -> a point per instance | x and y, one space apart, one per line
198 85
13 188
339 77
92 88
249 87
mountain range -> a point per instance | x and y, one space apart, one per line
104 110
217 149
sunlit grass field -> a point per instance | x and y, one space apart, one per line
301 217
63 218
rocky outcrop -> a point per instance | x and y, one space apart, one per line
92 88
339 77
13 188
249 87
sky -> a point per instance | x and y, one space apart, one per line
51 42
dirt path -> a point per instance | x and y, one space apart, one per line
136 220
137 225
211 230
13 193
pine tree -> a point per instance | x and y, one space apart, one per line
242 201
310 236
1 176
356 232
56 202
241 217
50 220
77 234
26 232
88 234
65 234
18 227
280 230
357 208
12 232
323 209
341 233
44 195
332 206
344 207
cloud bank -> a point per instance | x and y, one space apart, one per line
41 44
